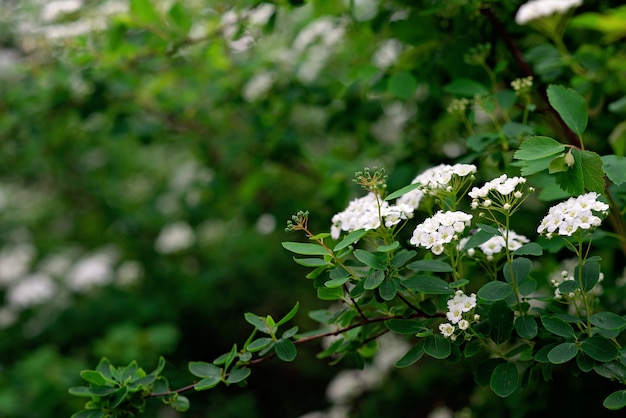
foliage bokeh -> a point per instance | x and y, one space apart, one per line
149 162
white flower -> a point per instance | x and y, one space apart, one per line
93 270
440 229
575 213
439 177
174 237
463 324
32 290
496 244
503 185
365 213
446 329
535 9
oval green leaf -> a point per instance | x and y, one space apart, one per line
562 353
374 279
305 248
608 321
437 346
369 259
504 379
616 400
350 239
238 375
599 348
558 327
427 284
204 369
405 326
435 266
414 354
285 350
495 291
526 327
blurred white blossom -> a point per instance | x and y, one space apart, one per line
266 224
95 269
15 261
31 290
536 9
174 237
52 10
129 272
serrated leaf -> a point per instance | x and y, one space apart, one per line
533 167
563 353
285 350
538 148
350 239
615 168
427 284
593 172
404 190
414 354
304 248
570 105
369 259
572 180
504 379
495 291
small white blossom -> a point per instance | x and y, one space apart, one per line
439 177
463 324
575 213
536 9
496 244
446 329
440 229
174 237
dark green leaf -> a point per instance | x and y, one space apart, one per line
327 293
370 259
572 180
387 289
305 248
285 350
562 353
437 346
458 283
387 248
402 85
593 172
238 375
405 326
532 248
374 279
118 397
311 262
526 327
495 291
504 380
590 274
558 327
480 237
207 383
403 191
519 269
179 18
501 318
599 348
402 258
616 400
584 362
608 321
615 168
259 344
435 266
350 239
427 284
414 354
570 106
465 87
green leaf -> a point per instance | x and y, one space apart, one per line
403 191
207 383
429 285
495 291
238 375
289 315
256 321
337 282
458 283
94 377
539 148
311 262
532 248
204 369
608 321
615 168
387 248
402 257
402 85
405 326
520 268
179 18
572 180
285 350
327 293
227 358
570 106
616 400
480 237
562 353
350 239
504 379
501 318
584 362
305 248
437 346
259 344
387 290
85 392
593 172
599 348
526 327
435 266
558 327
558 165
465 87
118 397
180 404
290 332
374 279
369 259
144 11
568 286
413 355
590 274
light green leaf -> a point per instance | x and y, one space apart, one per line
414 354
402 85
337 282
350 239
238 375
289 315
616 400
504 379
311 262
305 248
204 369
538 148
615 168
94 377
495 291
259 344
144 11
593 172
180 404
207 383
328 293
403 191
558 165
562 353
179 18
570 105
532 248
285 350
572 180
388 248
256 321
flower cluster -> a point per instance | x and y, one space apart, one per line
575 213
458 105
440 229
459 310
442 177
502 192
536 9
496 244
522 85
366 213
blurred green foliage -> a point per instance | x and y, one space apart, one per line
151 151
